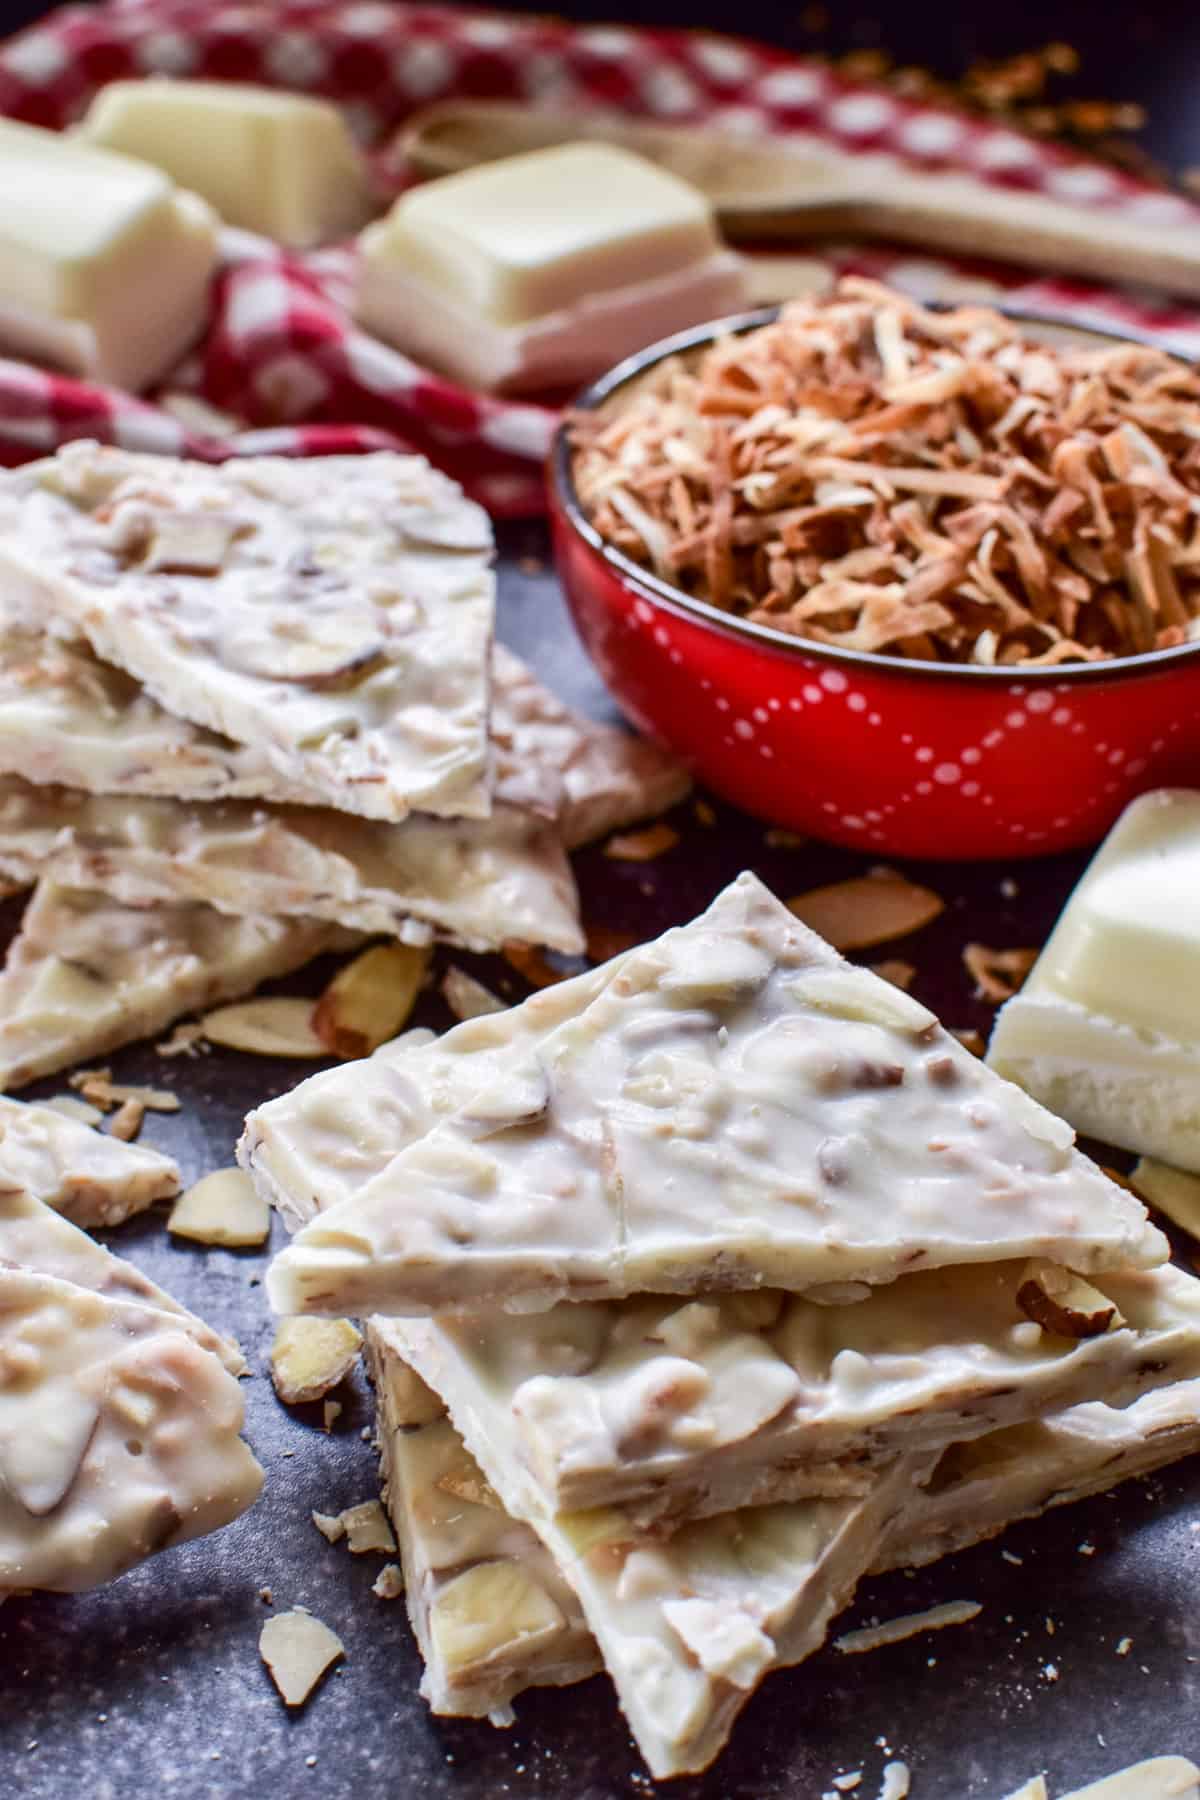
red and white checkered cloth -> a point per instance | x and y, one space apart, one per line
281 355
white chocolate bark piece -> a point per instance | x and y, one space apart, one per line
673 1410
980 1487
334 613
281 164
104 264
973 1493
479 1649
544 269
41 1241
688 1626
477 882
118 1436
738 1107
324 1140
86 974
91 1179
1104 1030
70 720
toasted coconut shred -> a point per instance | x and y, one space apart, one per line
868 473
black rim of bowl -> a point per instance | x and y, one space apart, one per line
674 599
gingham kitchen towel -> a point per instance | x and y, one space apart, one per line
282 366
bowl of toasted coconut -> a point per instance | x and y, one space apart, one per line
919 580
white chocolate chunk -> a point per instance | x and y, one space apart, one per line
86 974
104 265
686 1625
673 1412
1103 1029
118 1435
475 881
298 1650
281 164
706 1124
345 634
224 1209
311 1356
35 1238
544 268
89 1178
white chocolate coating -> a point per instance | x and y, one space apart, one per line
118 1436
85 974
92 1179
739 1107
477 882
335 613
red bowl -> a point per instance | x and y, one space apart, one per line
924 760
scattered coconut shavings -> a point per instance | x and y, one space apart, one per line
866 910
894 1631
73 1108
895 1781
877 476
900 974
1172 1191
532 963
389 1583
642 846
277 1026
223 1209
298 1650
370 999
126 1122
603 942
310 1356
468 998
997 974
367 1528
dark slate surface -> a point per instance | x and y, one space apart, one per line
154 1685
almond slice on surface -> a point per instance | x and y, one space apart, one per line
389 1583
367 1528
72 1108
298 1650
532 964
642 846
1064 1303
223 1209
127 1120
866 910
310 1356
900 974
603 943
370 999
281 1026
1174 1192
997 974
468 998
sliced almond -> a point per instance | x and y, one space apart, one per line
970 1039
489 1609
298 1650
222 1208
72 1108
468 998
310 1356
127 1120
866 910
642 846
466 1483
367 1528
1173 1191
704 814
186 1040
900 974
532 964
1064 1303
603 943
330 1526
274 1027
331 1412
102 1092
997 974
190 543
370 999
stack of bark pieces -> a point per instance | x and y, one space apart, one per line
696 1288
254 712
